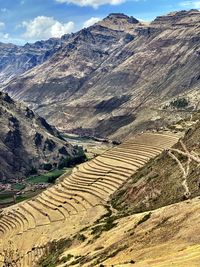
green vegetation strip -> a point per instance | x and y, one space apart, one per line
18 187
49 177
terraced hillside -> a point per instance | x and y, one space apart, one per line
75 202
153 219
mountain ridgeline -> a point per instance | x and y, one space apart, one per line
127 75
28 143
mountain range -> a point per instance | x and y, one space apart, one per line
128 76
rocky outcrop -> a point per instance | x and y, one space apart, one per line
27 141
119 21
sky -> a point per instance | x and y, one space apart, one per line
23 21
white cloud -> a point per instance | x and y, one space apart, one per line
4 10
2 25
43 27
93 3
90 22
4 37
191 4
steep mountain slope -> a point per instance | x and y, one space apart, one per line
65 73
165 237
27 141
126 76
15 60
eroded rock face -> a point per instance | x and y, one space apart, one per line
27 141
117 68
15 60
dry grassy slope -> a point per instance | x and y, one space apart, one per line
159 183
121 79
168 236
77 201
27 141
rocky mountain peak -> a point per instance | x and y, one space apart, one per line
119 21
121 16
117 16
15 60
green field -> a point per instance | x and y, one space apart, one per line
27 195
22 198
6 197
18 187
47 177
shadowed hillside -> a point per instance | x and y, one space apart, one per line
28 142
